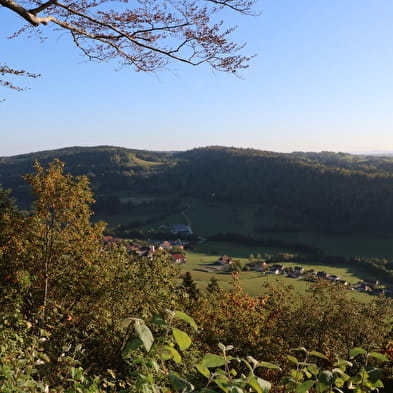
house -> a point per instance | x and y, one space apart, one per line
276 267
362 287
332 277
225 260
372 283
108 240
178 258
165 245
259 266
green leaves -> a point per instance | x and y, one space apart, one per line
182 339
268 365
259 384
211 360
186 318
179 384
356 351
379 356
310 377
131 346
292 359
318 355
169 352
304 387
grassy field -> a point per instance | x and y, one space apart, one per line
212 217
253 282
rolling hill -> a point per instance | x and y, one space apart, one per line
335 192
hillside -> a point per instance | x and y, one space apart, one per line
326 191
108 168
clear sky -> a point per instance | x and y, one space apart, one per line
322 80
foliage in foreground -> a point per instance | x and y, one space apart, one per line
155 365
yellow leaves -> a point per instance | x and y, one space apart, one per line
56 243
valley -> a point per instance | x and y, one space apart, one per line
325 208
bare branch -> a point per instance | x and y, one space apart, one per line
24 13
5 70
146 34
42 7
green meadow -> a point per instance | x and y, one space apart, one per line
206 253
211 217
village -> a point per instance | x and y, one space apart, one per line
226 264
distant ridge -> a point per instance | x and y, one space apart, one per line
330 190
374 153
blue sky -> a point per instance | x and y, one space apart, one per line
322 80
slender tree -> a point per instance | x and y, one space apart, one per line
56 248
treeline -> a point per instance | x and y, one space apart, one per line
115 205
307 192
313 252
326 191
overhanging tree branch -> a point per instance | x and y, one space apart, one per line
147 35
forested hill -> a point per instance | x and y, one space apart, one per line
336 191
108 167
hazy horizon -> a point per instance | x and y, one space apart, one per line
371 152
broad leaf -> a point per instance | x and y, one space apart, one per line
322 387
356 351
304 387
186 318
343 364
259 385
379 356
131 346
313 369
268 365
179 384
158 320
203 370
300 349
182 339
144 333
319 355
210 360
374 374
292 359
171 353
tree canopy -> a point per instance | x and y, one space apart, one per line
146 35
